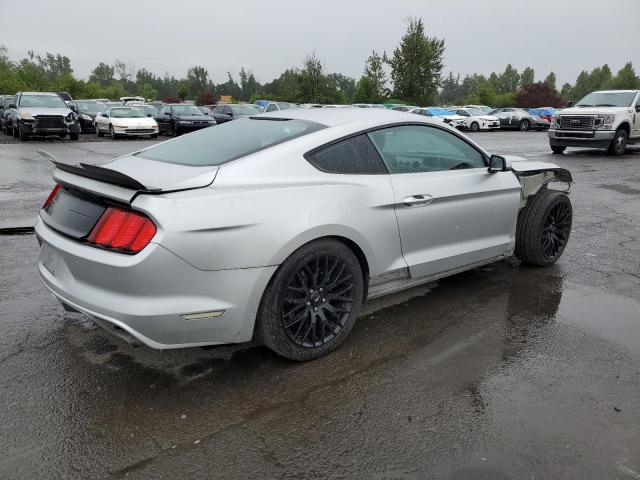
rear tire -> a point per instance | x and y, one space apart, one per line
558 149
312 301
618 143
524 125
544 227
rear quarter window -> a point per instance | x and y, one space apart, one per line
355 155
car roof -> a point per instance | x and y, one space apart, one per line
51 94
338 116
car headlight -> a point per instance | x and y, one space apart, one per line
555 120
71 118
609 119
26 116
185 122
86 117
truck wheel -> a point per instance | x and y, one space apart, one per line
618 143
312 301
558 149
524 125
23 136
475 127
543 228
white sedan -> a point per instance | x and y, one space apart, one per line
125 121
475 119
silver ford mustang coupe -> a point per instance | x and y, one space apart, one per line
278 227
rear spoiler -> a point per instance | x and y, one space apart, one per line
96 172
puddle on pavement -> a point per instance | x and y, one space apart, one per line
621 188
613 317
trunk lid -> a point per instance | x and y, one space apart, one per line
124 177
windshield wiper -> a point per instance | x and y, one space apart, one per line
605 105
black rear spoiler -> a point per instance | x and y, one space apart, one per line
96 172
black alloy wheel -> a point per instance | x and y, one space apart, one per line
556 230
318 300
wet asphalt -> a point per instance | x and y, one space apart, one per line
503 372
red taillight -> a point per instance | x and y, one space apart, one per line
122 230
51 196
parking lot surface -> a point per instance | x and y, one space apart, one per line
503 372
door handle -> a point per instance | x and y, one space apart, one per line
417 200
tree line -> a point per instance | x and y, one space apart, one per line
411 74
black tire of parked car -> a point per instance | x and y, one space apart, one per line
24 137
544 227
558 149
176 131
14 131
74 136
153 136
62 135
475 127
524 125
312 301
99 133
618 143
112 133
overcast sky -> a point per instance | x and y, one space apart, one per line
481 36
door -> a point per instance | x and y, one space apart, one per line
635 128
451 211
102 119
163 120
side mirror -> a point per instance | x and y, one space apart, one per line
12 105
569 104
167 113
206 113
73 108
149 115
497 164
638 108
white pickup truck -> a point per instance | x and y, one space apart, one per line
607 119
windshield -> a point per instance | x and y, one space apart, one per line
228 141
126 113
285 106
244 110
185 110
440 112
90 107
147 109
607 99
43 101
475 112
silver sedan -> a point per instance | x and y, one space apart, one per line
278 227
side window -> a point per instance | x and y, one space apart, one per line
414 149
162 111
217 110
272 107
354 155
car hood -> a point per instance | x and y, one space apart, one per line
197 118
524 166
92 115
134 121
489 118
45 111
593 110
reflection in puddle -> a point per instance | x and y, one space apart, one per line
613 317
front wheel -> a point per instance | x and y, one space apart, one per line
99 133
558 149
312 301
524 125
153 136
112 134
22 135
475 127
74 136
618 143
543 228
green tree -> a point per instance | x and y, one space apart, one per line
551 81
527 77
197 80
312 79
509 80
148 92
374 71
183 90
102 74
625 79
416 65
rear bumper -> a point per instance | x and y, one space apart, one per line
580 138
144 295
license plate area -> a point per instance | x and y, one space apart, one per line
49 258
